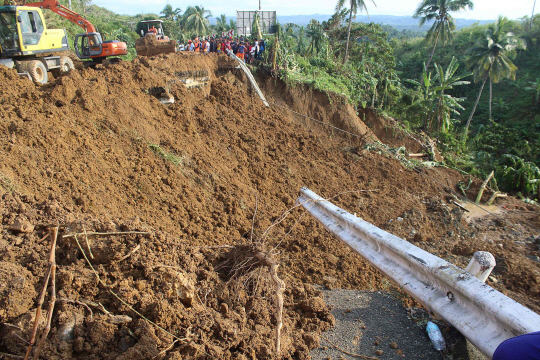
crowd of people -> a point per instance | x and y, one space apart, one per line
245 50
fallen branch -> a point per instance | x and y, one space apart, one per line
483 187
417 155
50 274
105 234
348 353
495 195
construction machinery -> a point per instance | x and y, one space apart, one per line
153 40
25 39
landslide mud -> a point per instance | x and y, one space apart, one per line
97 148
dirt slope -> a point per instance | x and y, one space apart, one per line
97 148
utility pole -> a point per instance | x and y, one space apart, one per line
530 26
260 5
69 4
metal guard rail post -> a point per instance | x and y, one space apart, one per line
482 314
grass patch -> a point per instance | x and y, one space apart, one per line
175 159
7 184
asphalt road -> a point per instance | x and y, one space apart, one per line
367 322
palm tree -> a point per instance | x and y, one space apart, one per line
196 19
534 86
354 6
433 103
318 38
221 23
170 14
444 24
301 41
490 58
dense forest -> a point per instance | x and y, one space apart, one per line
475 90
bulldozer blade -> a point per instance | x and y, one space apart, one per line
150 46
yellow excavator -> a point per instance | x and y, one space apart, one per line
25 40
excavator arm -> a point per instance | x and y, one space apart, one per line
63 11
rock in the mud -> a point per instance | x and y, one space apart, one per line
119 319
312 340
224 308
178 284
393 345
313 305
22 225
419 237
66 331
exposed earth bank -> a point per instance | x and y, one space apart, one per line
97 151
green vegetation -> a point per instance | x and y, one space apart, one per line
175 159
391 72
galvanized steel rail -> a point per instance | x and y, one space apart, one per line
482 314
250 77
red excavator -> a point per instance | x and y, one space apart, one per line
88 45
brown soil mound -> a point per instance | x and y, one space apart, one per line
97 148
149 46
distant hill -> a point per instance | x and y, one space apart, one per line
397 22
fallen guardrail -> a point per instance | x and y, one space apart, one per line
482 314
250 77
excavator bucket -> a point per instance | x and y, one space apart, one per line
148 45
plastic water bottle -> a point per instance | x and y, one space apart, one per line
435 336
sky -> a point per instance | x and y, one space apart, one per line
483 9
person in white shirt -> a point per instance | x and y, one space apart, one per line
207 47
181 47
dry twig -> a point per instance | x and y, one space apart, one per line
105 234
134 250
87 242
50 274
11 356
162 352
80 303
348 353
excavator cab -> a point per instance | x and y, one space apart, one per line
91 46
88 45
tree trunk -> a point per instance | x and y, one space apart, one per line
490 97
433 51
348 36
475 105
